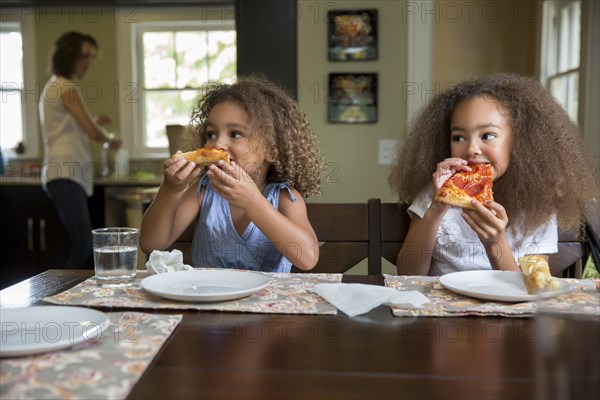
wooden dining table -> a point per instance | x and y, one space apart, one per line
375 355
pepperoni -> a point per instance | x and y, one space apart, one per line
474 188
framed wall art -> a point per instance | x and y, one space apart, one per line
352 35
352 98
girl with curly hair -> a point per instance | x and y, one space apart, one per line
250 213
543 178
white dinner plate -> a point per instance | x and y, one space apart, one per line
494 285
40 329
205 285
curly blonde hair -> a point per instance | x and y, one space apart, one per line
278 119
549 171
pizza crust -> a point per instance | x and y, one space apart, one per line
204 156
536 273
451 197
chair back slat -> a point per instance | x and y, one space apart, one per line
343 229
339 222
338 257
184 243
394 227
564 263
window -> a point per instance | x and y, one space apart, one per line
173 60
18 91
11 76
561 52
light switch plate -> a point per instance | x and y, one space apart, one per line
387 150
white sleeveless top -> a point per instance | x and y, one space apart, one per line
66 145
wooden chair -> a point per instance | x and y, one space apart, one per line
184 243
345 231
394 227
572 247
395 223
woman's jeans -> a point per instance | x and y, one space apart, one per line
71 202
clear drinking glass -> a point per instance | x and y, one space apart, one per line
115 255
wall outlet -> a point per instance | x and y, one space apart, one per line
387 150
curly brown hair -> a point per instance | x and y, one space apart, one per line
549 171
278 119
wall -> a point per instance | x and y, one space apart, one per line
475 38
352 172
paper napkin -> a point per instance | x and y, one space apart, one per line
356 298
166 261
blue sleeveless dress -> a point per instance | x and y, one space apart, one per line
217 244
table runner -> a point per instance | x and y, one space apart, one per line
286 294
446 303
105 368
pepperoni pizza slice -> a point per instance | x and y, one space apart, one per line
204 156
464 186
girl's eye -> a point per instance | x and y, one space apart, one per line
457 138
237 134
210 135
488 136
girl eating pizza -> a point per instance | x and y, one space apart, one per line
248 208
542 177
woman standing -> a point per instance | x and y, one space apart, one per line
67 126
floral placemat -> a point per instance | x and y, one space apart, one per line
446 303
285 294
106 368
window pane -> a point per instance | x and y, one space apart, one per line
575 35
558 87
566 90
11 60
159 62
11 123
192 67
573 97
222 55
163 108
569 31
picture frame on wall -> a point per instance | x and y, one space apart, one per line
352 98
352 35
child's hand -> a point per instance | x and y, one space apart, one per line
233 183
488 220
179 173
446 169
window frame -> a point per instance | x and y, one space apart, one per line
552 41
29 94
132 107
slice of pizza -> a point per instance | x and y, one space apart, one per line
204 155
464 186
536 273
